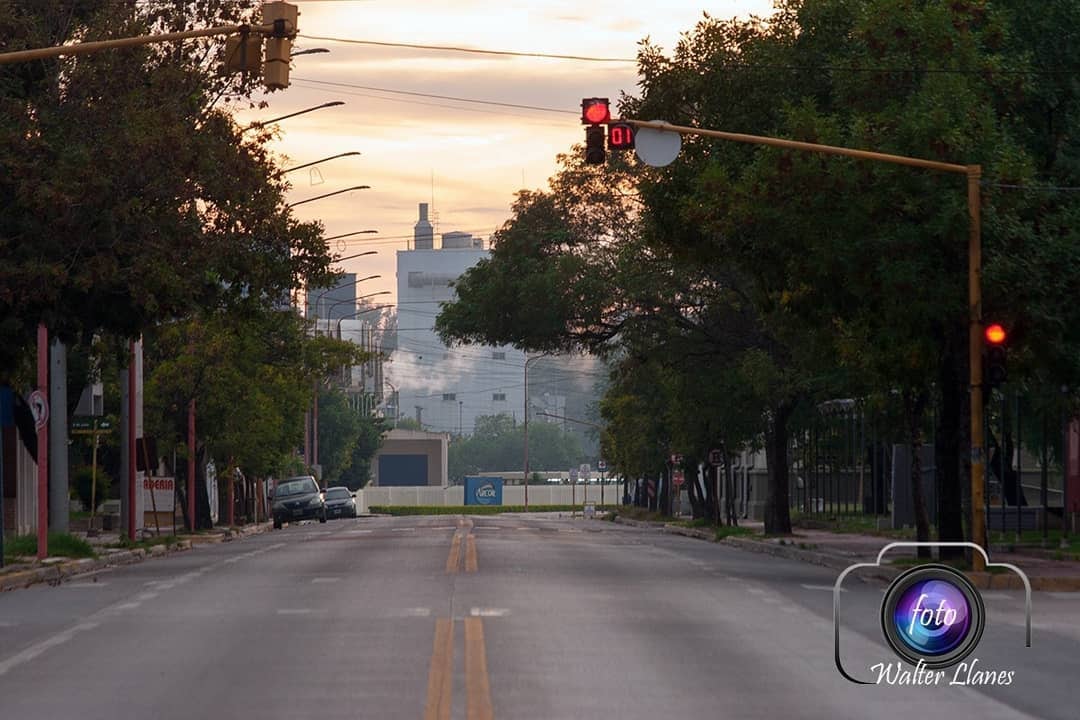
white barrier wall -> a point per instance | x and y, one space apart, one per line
512 495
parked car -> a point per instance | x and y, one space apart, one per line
340 502
298 498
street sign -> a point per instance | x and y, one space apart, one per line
657 147
677 478
573 476
39 406
716 457
601 465
676 458
84 425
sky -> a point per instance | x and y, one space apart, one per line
466 159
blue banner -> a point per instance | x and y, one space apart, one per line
483 490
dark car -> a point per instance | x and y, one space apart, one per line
340 502
298 498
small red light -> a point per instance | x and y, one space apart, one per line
595 111
995 334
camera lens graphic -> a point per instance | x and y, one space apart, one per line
932 614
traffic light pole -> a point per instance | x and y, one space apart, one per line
974 175
87 48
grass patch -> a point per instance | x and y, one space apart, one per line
645 515
1034 539
402 510
125 544
736 531
60 545
853 524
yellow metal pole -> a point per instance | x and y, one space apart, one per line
87 48
974 175
978 460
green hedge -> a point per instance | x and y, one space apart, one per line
469 509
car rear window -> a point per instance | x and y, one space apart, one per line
296 487
337 493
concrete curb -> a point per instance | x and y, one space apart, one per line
981 580
56 573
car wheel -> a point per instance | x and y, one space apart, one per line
277 524
322 518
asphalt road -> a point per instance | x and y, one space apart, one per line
492 617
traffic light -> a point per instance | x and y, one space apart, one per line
995 372
282 16
595 111
594 145
243 53
620 136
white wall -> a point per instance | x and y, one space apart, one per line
512 495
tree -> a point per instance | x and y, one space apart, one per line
498 443
129 197
369 440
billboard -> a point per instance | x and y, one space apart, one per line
483 490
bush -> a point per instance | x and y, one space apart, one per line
82 477
60 545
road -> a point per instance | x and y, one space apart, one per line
528 617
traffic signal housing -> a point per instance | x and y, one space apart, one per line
995 370
595 111
595 154
283 17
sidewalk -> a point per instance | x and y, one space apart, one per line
54 570
839 550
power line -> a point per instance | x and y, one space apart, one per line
473 51
439 97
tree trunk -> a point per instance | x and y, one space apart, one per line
777 512
951 437
203 521
914 407
729 489
699 497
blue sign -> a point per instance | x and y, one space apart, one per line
483 490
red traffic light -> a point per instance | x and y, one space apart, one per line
595 111
995 334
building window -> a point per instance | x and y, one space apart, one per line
447 397
498 397
498 355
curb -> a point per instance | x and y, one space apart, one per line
57 573
981 580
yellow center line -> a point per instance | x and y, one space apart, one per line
440 676
453 561
470 554
477 683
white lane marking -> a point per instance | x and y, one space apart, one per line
822 587
489 612
410 612
755 591
37 648
85 584
294 611
8 623
146 596
126 606
789 609
358 532
325 580
408 529
1064 595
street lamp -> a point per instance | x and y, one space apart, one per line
359 312
319 297
330 310
336 192
341 243
309 51
263 123
316 162
527 361
395 398
353 257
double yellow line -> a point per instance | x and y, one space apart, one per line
440 676
453 561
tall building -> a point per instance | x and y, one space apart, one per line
446 388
